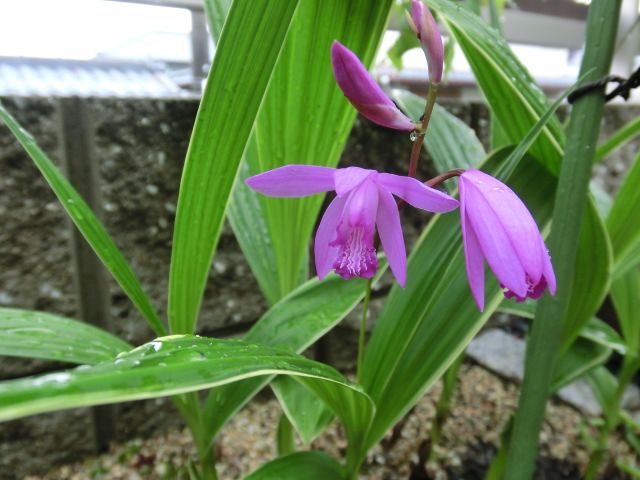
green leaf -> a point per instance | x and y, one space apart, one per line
170 366
604 386
295 322
88 224
247 218
632 438
628 468
594 330
625 293
599 332
216 11
583 355
618 139
247 52
623 223
601 198
591 275
25 333
450 142
424 327
514 97
306 412
311 465
306 118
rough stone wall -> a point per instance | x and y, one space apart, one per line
140 147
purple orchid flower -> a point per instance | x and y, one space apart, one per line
363 92
497 226
345 237
424 25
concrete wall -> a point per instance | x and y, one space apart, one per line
139 147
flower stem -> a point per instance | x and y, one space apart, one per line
363 328
445 176
422 130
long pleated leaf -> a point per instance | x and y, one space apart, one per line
306 119
625 293
85 220
249 46
623 223
247 218
591 277
170 366
625 134
30 334
582 356
594 330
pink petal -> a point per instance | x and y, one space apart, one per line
515 220
363 92
355 233
474 259
293 181
390 231
346 179
427 29
547 270
494 241
416 193
385 115
325 254
361 208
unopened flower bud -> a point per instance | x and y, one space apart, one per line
363 92
422 22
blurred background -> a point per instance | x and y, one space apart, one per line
161 47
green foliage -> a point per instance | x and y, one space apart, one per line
311 465
25 333
625 293
623 223
306 412
591 276
582 356
295 322
625 134
514 97
255 33
170 366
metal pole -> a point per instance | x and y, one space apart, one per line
76 139
199 48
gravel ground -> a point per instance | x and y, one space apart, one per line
482 405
